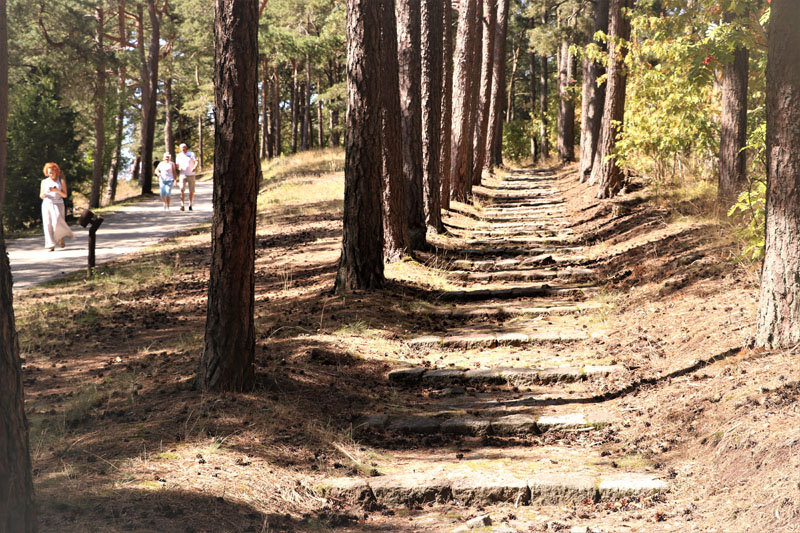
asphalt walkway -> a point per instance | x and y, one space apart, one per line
127 230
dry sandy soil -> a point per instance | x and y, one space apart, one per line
122 442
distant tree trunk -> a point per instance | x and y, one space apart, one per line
361 262
137 167
395 214
485 89
733 135
309 133
276 111
605 170
149 88
510 92
320 139
17 510
544 142
303 114
408 47
447 105
200 159
533 102
229 352
3 107
474 103
119 123
494 143
265 146
432 58
779 303
566 107
169 140
293 104
461 170
99 111
592 96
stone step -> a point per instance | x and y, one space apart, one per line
525 251
510 425
529 291
511 263
491 340
444 377
484 481
515 310
521 275
522 240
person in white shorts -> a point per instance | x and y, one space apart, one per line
187 163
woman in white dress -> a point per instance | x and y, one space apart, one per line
166 178
52 191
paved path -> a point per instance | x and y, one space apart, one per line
127 230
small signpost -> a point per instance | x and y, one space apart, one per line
93 221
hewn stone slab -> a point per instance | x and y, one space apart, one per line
561 422
511 425
470 426
560 488
417 424
627 485
406 375
443 376
503 487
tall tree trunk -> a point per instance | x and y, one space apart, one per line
309 135
779 303
99 111
431 41
303 113
200 158
461 169
3 103
276 111
485 90
17 510
229 352
533 83
334 115
494 143
395 215
605 171
510 92
264 146
592 96
408 48
293 105
361 262
566 107
169 140
320 138
733 135
149 88
119 123
447 105
16 486
544 142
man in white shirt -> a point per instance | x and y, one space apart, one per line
187 163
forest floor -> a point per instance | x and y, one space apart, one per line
629 318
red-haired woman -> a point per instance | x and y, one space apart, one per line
52 191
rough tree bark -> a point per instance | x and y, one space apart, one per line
410 59
544 142
276 111
447 105
485 96
494 142
149 88
474 102
293 105
99 110
779 303
119 122
432 58
361 262
229 352
169 140
733 135
605 171
395 217
460 169
592 96
566 107
17 510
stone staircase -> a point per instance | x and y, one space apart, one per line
508 430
